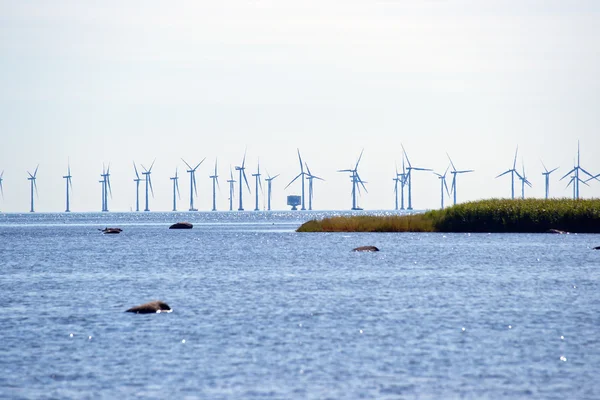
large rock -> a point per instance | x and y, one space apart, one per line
181 225
151 308
366 248
597 248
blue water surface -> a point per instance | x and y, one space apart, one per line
263 312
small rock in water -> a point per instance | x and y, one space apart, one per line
181 225
111 230
597 248
366 248
151 308
556 231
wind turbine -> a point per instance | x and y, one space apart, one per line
192 172
455 172
257 183
310 177
137 181
69 186
269 179
408 177
175 180
403 182
513 172
231 182
147 173
547 177
355 182
1 179
106 189
577 179
443 185
301 176
242 175
215 182
524 182
33 185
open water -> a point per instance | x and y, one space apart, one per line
262 312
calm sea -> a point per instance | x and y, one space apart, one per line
262 312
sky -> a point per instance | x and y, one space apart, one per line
88 83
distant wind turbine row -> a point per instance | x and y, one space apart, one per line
402 180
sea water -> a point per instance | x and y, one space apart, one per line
263 312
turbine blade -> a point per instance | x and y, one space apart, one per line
359 157
451 163
152 165
36 169
515 162
504 173
150 183
405 156
197 165
244 160
185 162
300 159
545 169
109 188
246 180
177 187
194 184
298 176
136 171
567 174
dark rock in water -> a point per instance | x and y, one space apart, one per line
597 248
556 231
151 308
111 230
366 248
181 225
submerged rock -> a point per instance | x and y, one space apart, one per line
181 225
151 308
366 248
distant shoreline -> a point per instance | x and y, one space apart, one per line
493 215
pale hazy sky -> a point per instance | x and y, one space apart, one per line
114 81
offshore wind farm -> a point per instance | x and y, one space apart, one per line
425 135
395 192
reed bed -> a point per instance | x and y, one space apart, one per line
494 215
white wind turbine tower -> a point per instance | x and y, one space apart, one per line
547 178
408 177
1 179
69 186
32 179
147 173
175 180
524 181
243 178
356 180
443 185
269 179
577 178
106 188
396 180
512 172
455 172
301 176
193 190
137 181
309 178
215 183
257 184
231 182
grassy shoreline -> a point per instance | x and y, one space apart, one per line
494 215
